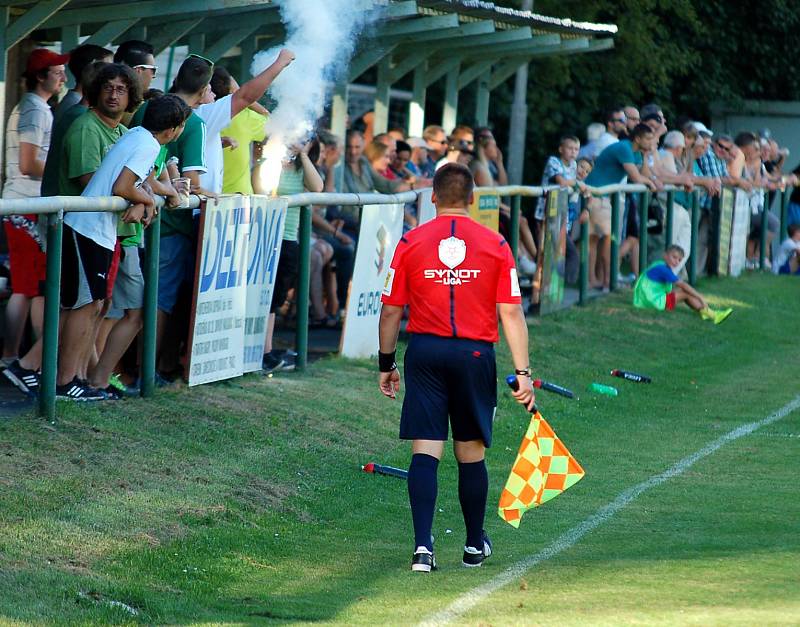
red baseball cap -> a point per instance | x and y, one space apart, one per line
42 58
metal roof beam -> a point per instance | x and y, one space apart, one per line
413 26
517 47
147 8
516 35
366 59
400 69
470 29
171 33
109 32
436 72
32 19
473 73
239 20
226 42
401 9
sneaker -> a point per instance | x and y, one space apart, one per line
111 393
26 380
474 557
77 390
271 363
423 560
722 316
115 382
289 358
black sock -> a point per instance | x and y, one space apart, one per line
422 488
473 486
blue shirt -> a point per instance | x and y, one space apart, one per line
662 273
608 168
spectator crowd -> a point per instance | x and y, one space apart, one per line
113 134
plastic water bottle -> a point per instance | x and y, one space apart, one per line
607 390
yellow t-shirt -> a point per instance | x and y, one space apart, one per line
245 128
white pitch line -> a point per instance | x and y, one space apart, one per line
470 599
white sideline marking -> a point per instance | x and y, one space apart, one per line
470 599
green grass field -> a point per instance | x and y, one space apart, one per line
243 502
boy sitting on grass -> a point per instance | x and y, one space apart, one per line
787 261
658 287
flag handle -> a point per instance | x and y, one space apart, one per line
512 382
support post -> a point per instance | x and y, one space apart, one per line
4 46
615 231
644 201
583 276
519 118
516 204
301 337
52 301
762 248
670 213
482 102
152 236
694 248
382 96
785 196
416 108
249 49
450 113
70 38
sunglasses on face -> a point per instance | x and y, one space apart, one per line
724 147
620 120
152 68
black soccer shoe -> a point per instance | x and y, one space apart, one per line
423 560
474 557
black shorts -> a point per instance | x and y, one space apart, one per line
285 279
85 269
449 377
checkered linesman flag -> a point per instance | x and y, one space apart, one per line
544 468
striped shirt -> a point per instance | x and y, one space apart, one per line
30 122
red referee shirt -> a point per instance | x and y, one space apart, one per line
452 272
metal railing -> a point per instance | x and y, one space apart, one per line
54 208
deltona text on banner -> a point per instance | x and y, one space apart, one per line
220 293
267 221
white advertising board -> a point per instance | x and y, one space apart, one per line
740 228
426 210
220 293
267 220
381 229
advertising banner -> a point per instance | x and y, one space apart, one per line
740 228
267 220
426 210
485 208
220 294
552 257
724 230
381 229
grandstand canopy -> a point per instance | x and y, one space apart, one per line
465 43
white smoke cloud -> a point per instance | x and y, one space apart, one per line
323 35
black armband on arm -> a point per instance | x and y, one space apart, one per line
386 361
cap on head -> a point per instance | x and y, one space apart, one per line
703 129
42 58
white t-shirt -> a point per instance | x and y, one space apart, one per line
31 122
603 142
787 248
136 150
216 115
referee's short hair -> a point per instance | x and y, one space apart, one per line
453 185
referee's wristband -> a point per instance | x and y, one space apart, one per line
386 361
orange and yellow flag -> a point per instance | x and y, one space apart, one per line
544 468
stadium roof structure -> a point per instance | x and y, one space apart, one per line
460 42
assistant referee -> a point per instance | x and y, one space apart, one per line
455 275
